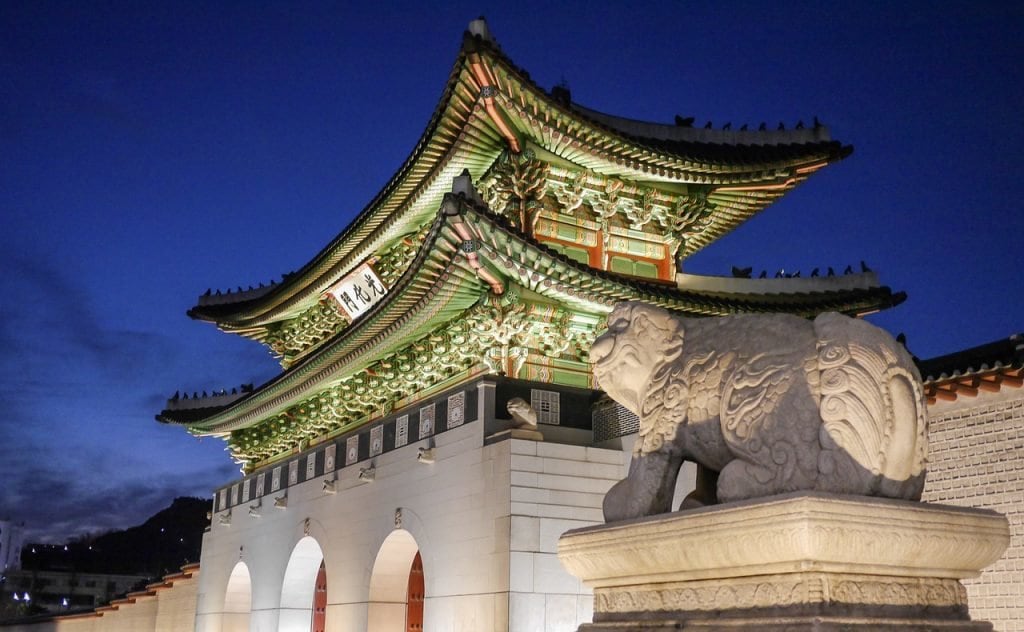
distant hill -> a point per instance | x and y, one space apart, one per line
162 544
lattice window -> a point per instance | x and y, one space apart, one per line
329 456
612 420
547 406
456 409
310 466
234 494
275 479
246 488
401 431
260 478
376 440
293 472
426 421
223 499
352 450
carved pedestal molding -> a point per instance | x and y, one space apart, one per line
805 561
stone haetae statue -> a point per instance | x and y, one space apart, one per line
764 404
523 414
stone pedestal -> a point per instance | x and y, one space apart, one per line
805 561
514 433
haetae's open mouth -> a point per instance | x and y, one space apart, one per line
602 349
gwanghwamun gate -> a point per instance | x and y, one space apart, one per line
388 484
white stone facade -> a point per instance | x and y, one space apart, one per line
977 460
485 519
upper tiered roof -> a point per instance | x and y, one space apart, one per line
490 105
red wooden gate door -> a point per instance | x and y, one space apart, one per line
320 601
414 598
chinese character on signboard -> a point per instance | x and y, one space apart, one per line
359 291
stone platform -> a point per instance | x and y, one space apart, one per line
805 561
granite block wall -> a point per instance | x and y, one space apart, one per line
977 460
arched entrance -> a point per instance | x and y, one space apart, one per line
304 589
397 586
237 600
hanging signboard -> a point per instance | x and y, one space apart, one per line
360 290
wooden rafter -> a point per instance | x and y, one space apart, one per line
948 390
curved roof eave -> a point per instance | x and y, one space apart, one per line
410 298
576 285
248 317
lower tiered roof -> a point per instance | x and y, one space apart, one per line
489 106
475 285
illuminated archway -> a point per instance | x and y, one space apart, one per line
298 589
394 578
237 600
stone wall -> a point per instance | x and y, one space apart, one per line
554 488
170 607
977 460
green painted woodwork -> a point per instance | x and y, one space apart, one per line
622 265
471 290
576 254
555 201
442 321
502 333
292 338
645 269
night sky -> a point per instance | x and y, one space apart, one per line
150 152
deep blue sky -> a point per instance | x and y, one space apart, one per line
150 152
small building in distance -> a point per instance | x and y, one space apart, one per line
12 538
66 591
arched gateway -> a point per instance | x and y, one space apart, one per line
397 586
304 589
450 296
237 600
